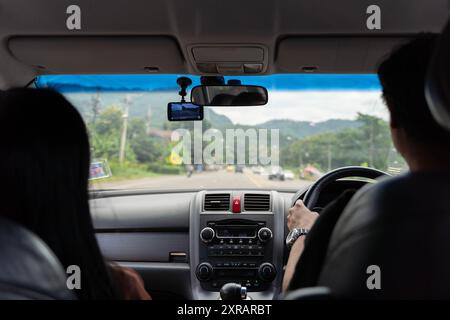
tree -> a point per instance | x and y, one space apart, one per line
369 144
105 135
109 121
147 149
375 132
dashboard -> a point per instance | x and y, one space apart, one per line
187 244
237 236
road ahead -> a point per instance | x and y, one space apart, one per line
205 180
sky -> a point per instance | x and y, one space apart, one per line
302 97
155 82
310 105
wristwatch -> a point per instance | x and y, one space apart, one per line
294 235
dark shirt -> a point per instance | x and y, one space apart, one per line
308 268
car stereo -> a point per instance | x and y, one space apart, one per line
236 250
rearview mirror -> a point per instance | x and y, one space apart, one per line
229 95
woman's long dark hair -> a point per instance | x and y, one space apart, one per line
44 165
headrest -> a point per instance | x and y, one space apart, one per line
28 269
437 87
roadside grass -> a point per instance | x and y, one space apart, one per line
127 171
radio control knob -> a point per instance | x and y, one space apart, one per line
204 271
207 234
265 234
267 272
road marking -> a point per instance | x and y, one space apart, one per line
253 180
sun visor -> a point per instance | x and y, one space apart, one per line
98 54
333 54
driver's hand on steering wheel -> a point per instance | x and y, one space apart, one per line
301 217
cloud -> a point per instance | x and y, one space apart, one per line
312 106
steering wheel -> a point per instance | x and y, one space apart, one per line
313 193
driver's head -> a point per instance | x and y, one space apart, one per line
415 133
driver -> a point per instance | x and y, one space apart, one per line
418 138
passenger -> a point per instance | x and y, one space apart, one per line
416 135
44 165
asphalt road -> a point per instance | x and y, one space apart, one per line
205 180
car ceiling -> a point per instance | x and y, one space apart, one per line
204 37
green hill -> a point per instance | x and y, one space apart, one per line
153 106
300 129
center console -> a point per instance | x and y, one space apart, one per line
236 237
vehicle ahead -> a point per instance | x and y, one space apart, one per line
257 170
311 172
276 173
156 195
288 175
230 168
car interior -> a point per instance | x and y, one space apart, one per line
190 241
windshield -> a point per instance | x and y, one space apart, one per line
312 124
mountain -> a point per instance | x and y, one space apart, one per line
217 120
153 106
301 129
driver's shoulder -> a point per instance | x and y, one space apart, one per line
386 198
362 209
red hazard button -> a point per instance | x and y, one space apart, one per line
236 204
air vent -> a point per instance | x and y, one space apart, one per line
217 202
257 202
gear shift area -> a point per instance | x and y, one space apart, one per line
233 292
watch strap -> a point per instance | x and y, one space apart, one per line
294 235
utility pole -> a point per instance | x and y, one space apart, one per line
148 120
329 157
123 139
371 143
300 159
95 107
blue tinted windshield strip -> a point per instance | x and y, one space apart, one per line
120 83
